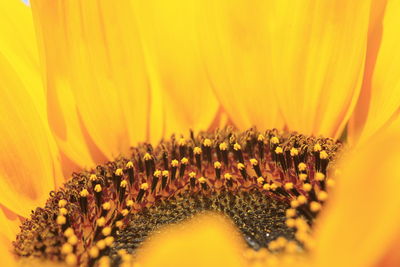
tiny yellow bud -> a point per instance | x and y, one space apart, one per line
109 240
207 142
237 147
192 174
106 205
227 176
97 188
274 140
289 186
119 172
62 203
290 223
319 176
197 150
317 147
323 154
84 193
254 162
303 176
144 186
69 232
129 165
124 212
93 177
182 142
278 150
266 187
147 157
157 173
322 196
101 221
101 244
165 173
302 199
223 146
315 206
302 166
106 231
294 152
330 183
184 161
202 180
260 137
130 203
63 211
217 165
274 186
66 248
73 240
94 252
260 180
174 163
290 213
307 187
294 203
240 166
61 220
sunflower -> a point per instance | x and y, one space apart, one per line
89 88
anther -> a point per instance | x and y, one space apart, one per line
217 167
71 259
207 149
149 163
256 167
62 203
224 151
174 168
142 190
117 178
192 179
122 190
164 179
184 162
131 173
98 194
182 147
238 152
105 208
83 202
260 142
197 154
156 177
203 183
242 170
228 179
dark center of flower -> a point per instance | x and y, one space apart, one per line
271 185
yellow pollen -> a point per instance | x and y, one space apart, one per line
223 146
130 203
63 211
157 173
106 205
184 161
97 188
192 174
123 183
217 165
278 150
122 252
202 180
71 259
93 177
129 165
73 240
66 248
323 154
254 162
294 203
307 187
266 187
119 172
322 196
174 163
101 221
84 193
290 213
274 140
290 223
165 173
101 244
289 186
207 142
291 247
260 180
317 147
227 176
240 166
294 152
144 186
119 224
106 231
62 203
94 252
182 142
147 157
197 150
274 186
237 147
315 206
281 241
302 199
124 212
109 240
273 245
69 232
61 220
302 166
319 176
260 137
104 261
303 176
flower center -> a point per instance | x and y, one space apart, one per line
271 185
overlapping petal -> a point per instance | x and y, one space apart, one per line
303 60
361 224
206 240
379 102
179 83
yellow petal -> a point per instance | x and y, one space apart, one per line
206 240
379 103
175 66
308 57
362 220
28 159
92 55
233 46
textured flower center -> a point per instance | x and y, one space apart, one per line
271 185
